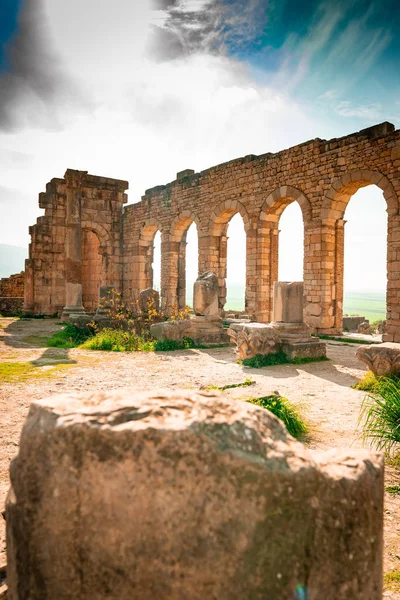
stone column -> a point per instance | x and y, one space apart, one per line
251 269
392 329
267 267
181 285
73 250
29 300
319 275
339 275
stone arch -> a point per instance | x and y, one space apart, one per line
100 231
217 257
333 209
177 257
268 243
93 268
342 189
280 198
223 214
146 252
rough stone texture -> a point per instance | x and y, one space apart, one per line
202 330
288 302
381 359
352 323
149 299
205 295
11 306
176 495
254 338
321 175
13 286
364 328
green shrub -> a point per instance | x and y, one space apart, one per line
285 411
168 345
393 489
117 340
380 416
367 383
70 337
279 358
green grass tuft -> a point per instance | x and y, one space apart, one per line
119 340
367 383
279 358
347 340
69 337
16 372
230 386
393 489
380 416
392 580
285 411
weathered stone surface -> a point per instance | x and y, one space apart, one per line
320 175
177 495
288 301
364 328
253 338
13 286
204 330
149 300
381 359
205 295
352 323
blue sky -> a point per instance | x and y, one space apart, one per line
142 90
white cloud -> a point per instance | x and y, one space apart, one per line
362 111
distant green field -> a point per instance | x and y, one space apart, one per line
371 305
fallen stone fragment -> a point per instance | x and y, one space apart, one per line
381 359
177 496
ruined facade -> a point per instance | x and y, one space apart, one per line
86 238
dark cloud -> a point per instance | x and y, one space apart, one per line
164 4
213 26
35 83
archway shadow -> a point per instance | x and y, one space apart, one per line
33 334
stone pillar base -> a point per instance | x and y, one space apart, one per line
72 311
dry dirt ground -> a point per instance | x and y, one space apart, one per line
321 391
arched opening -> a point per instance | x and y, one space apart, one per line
236 265
365 249
92 269
239 252
333 235
281 256
191 263
156 263
291 244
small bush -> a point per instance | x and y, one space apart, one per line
367 383
70 337
392 580
168 345
279 358
285 411
393 489
117 340
380 416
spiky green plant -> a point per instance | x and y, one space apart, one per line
380 416
285 411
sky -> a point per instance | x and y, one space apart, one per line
140 90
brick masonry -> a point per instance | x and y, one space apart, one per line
320 175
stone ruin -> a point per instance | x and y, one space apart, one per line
205 326
87 238
178 495
287 332
12 294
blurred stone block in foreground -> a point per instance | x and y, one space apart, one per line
177 496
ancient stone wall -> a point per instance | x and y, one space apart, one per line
320 175
98 203
13 286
